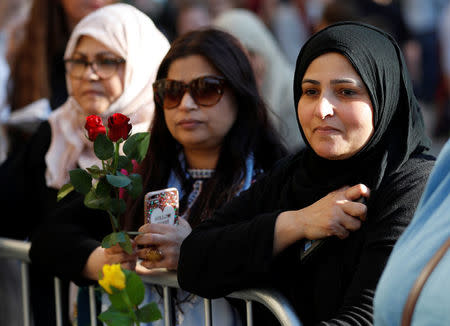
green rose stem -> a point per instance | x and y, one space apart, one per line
114 222
103 165
126 300
116 154
113 219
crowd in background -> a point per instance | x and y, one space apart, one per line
420 27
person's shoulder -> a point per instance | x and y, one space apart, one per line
420 163
412 175
288 163
41 138
279 172
44 128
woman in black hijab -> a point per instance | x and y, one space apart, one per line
304 228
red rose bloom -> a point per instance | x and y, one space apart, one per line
119 127
94 127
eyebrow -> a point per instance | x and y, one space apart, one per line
335 81
99 54
346 81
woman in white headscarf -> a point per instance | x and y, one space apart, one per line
111 62
132 37
273 72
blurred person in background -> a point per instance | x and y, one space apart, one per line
336 11
162 12
192 15
216 7
421 18
35 56
273 74
11 13
288 20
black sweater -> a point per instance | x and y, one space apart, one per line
336 284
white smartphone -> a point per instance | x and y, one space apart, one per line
161 206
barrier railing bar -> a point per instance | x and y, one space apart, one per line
272 299
57 283
208 312
167 306
16 249
249 309
92 308
25 294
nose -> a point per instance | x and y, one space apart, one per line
89 73
324 107
187 102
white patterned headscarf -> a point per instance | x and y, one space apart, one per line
132 35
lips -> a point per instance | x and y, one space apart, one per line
188 123
326 129
92 93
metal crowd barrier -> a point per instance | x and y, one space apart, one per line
271 299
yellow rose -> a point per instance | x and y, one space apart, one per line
112 276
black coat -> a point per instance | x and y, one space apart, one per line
24 192
29 202
336 283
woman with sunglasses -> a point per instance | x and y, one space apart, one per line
210 138
111 62
320 226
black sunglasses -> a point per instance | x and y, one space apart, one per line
205 91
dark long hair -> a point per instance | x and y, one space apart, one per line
251 133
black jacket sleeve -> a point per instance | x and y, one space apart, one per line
24 196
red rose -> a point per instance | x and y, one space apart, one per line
118 127
94 127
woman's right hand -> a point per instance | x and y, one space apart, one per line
113 255
336 214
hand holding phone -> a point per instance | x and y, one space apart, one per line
160 207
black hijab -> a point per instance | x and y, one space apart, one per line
398 124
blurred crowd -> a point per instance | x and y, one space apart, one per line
33 34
